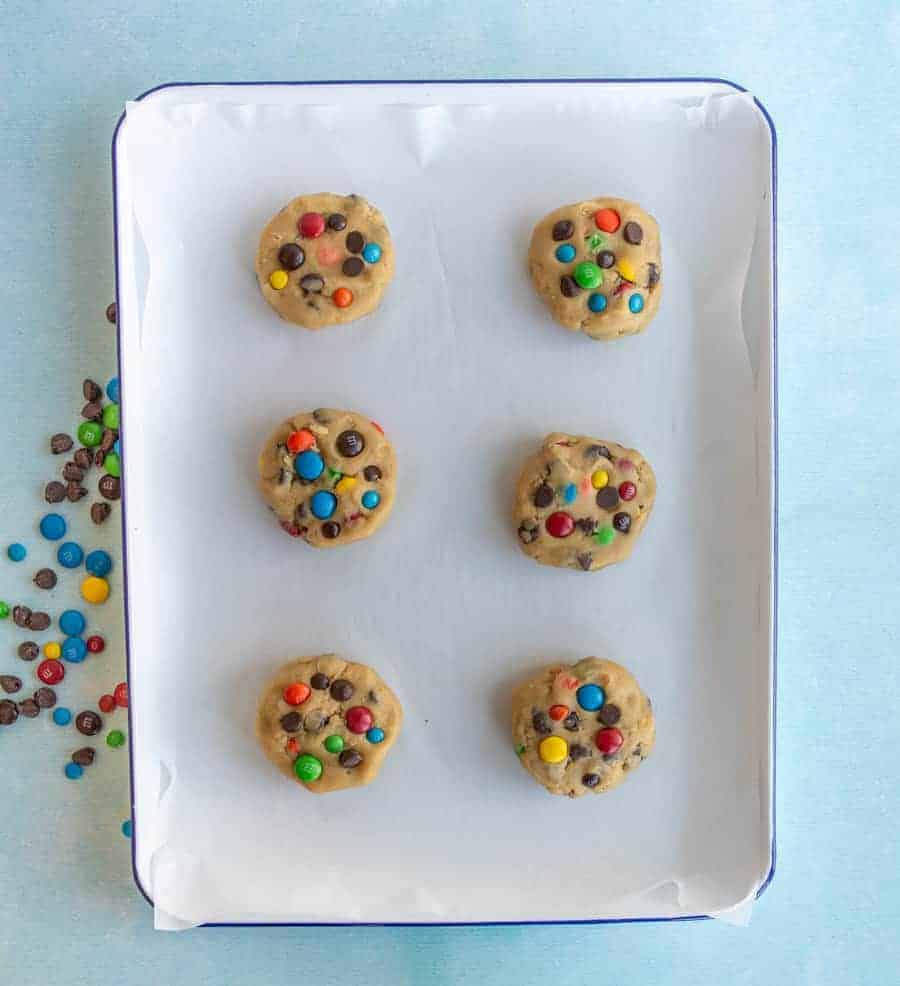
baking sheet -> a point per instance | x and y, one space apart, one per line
466 372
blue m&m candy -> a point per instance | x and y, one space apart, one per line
72 622
69 554
371 253
323 504
98 563
636 303
62 716
597 302
16 552
74 650
565 253
375 735
590 697
309 465
74 771
570 493
370 499
126 828
112 390
53 526
117 447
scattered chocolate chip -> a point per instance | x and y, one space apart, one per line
312 283
544 495
72 471
572 722
108 440
83 458
38 621
99 512
8 712
112 312
60 443
93 411
541 723
54 492
587 525
633 233
609 714
45 578
606 258
84 757
622 523
372 697
568 286
584 561
314 721
88 723
637 751
652 276
350 443
331 529
578 751
109 487
28 650
75 492
45 698
371 474
597 452
291 722
355 241
590 780
350 759
98 457
528 533
352 267
608 498
92 391
610 757
341 690
320 681
337 222
291 256
563 230
29 708
21 616
10 683
321 415
299 510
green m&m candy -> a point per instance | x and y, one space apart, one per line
334 744
4 610
606 535
307 767
112 465
588 275
115 738
111 416
89 434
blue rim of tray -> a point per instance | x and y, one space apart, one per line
442 82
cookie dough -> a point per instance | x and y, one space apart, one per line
325 259
328 476
328 723
597 266
582 727
582 502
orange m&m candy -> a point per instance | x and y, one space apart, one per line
559 712
296 694
300 441
343 297
607 219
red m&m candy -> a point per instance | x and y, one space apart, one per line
51 672
95 644
107 703
296 694
558 712
607 219
120 694
608 740
311 224
359 719
560 524
300 441
627 490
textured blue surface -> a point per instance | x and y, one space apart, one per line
828 74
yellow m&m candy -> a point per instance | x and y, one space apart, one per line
553 749
278 279
345 485
94 589
599 479
52 650
626 269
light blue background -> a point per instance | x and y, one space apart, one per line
828 74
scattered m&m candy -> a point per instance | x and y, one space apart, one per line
334 744
115 738
70 554
588 275
53 526
90 434
111 416
106 703
112 389
296 694
16 552
370 499
278 280
553 749
309 465
98 563
560 524
300 441
597 303
636 303
565 253
359 719
371 253
53 651
342 297
627 490
375 735
307 767
95 590
62 716
311 225
608 740
607 220
74 650
120 694
590 697
127 828
51 672
72 622
74 771
323 504
95 644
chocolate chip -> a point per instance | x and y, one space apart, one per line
337 221
622 523
563 230
112 312
45 698
38 621
350 443
610 757
568 286
110 487
590 780
606 258
652 276
28 650
8 712
597 452
350 759
584 561
29 708
60 443
355 241
372 697
98 457
587 525
314 721
609 714
320 681
291 256
572 722
91 390
544 495
321 415
84 757
10 683
21 616
352 267
93 411
637 751
83 458
291 722
633 233
88 723
54 492
71 471
45 578
578 751
75 492
313 283
528 533
108 440
371 474
608 498
341 690
99 512
331 529
541 723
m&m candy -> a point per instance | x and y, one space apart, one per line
307 767
95 590
323 504
95 644
74 650
106 703
553 749
111 416
608 740
359 719
560 524
588 275
112 464
74 771
371 253
370 499
342 297
627 490
53 526
51 672
112 389
115 738
597 303
605 535
70 554
590 697
636 303
62 716
16 552
607 219
72 622
626 269
120 694
334 744
296 694
278 280
98 563
52 651
309 465
565 253
570 492
375 735
311 225
300 441
90 434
